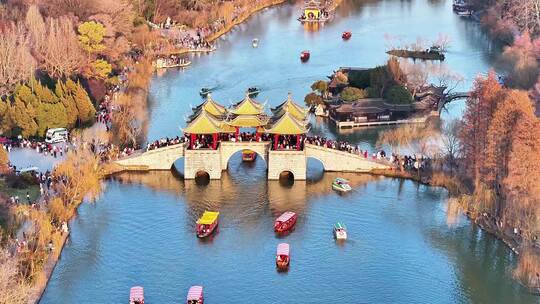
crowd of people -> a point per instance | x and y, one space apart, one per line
41 147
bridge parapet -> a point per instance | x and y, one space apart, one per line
335 160
158 159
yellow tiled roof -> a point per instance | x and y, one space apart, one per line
204 123
248 121
288 125
248 106
292 107
212 107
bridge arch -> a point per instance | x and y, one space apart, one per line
228 149
315 168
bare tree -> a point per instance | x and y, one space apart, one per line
450 147
13 288
61 54
16 61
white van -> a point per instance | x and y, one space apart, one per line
56 135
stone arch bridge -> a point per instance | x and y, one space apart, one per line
214 162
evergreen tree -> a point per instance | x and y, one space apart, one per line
85 107
66 98
22 116
50 115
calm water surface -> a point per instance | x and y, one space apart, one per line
406 244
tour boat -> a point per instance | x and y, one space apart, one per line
304 56
255 42
207 223
248 155
205 91
341 185
340 233
283 258
253 92
285 221
136 295
346 35
195 295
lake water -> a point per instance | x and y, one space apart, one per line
406 244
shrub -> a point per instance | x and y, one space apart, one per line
399 95
313 99
372 92
350 94
359 79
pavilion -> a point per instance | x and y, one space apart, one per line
202 126
289 128
247 113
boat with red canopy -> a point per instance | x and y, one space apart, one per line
283 256
207 223
285 221
248 155
346 35
195 295
304 56
136 295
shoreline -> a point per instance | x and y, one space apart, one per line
479 220
48 269
241 19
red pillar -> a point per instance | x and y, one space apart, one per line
215 139
257 136
298 142
192 140
236 133
276 138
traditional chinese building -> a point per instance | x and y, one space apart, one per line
204 130
288 132
247 113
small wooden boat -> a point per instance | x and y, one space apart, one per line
136 295
207 223
283 258
253 92
346 35
304 56
205 91
340 232
341 185
255 42
285 222
248 155
195 295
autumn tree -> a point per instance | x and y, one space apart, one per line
514 109
320 86
4 161
485 97
521 59
522 182
81 174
